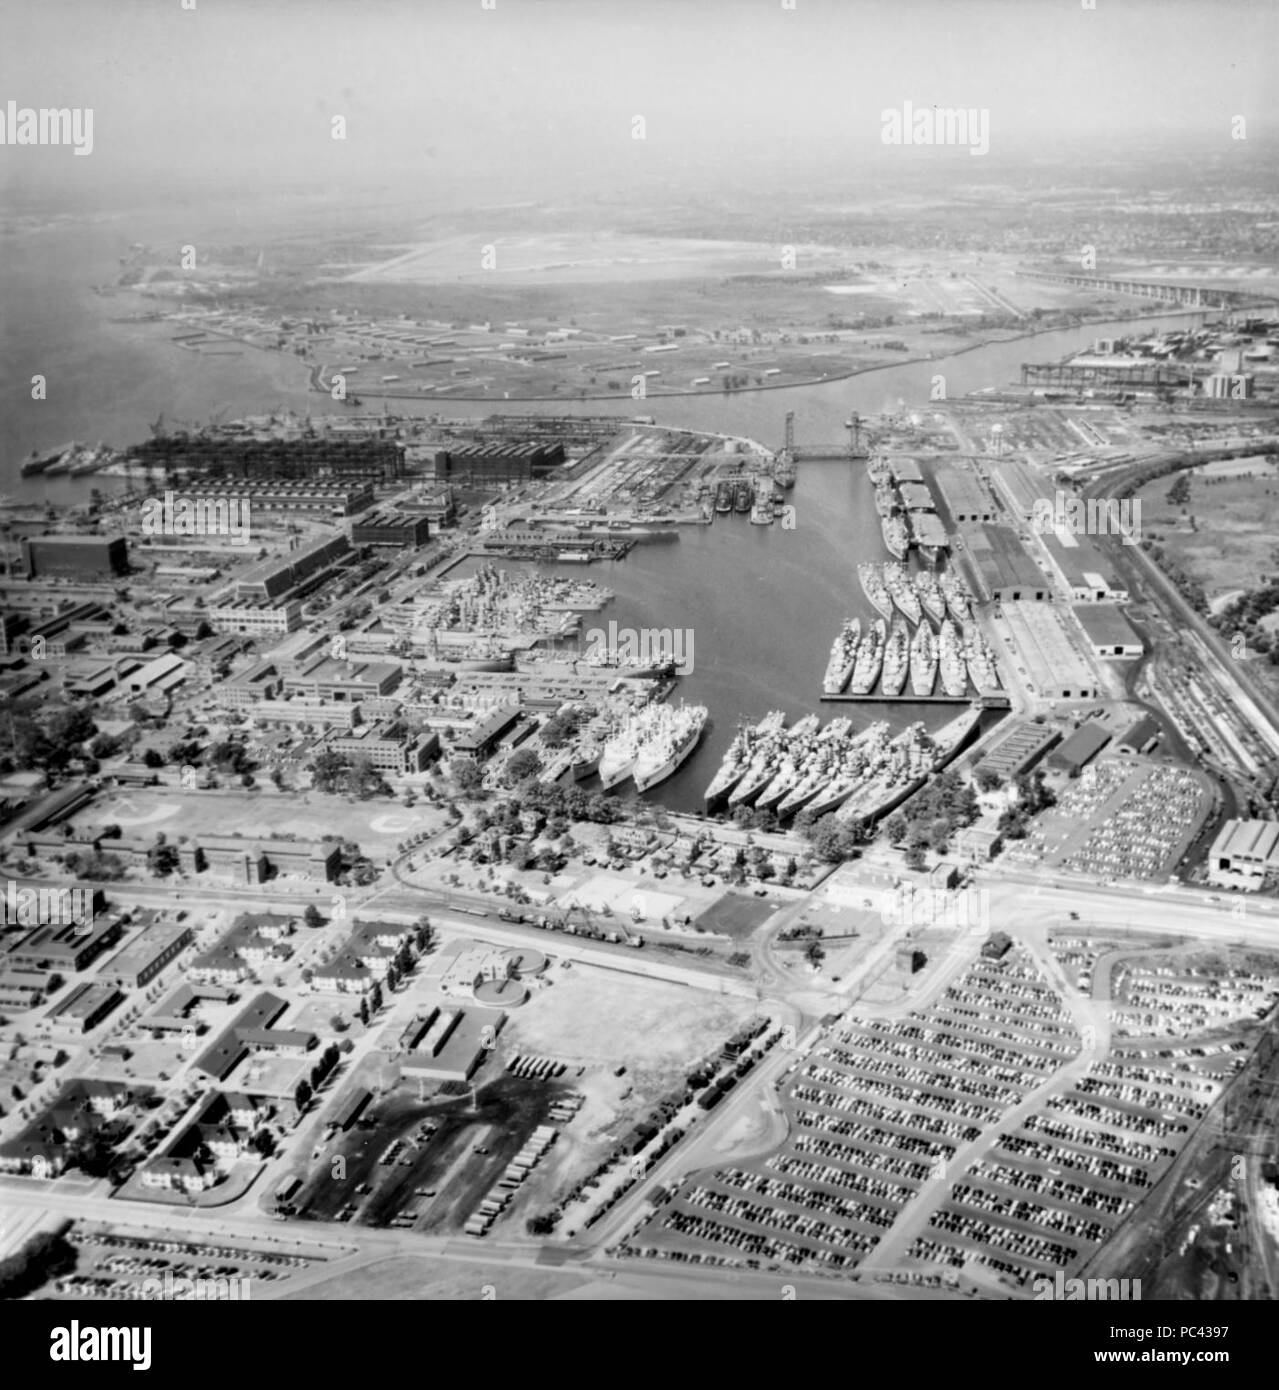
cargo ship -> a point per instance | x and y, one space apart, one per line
903 592
923 661
872 582
896 536
586 760
885 499
742 497
723 497
954 670
670 740
617 758
762 511
784 471
870 657
930 595
896 658
843 657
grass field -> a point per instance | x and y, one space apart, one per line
1235 540
264 816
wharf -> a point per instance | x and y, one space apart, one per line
986 701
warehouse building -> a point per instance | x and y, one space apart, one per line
75 557
1007 573
966 496
1244 854
496 461
280 577
1020 486
85 1007
1020 749
327 678
388 527
138 963
905 470
1081 747
1141 736
1047 658
1081 569
1108 632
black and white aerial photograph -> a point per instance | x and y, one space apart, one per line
639 662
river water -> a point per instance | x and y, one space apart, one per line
762 604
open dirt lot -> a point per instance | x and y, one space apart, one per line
591 1016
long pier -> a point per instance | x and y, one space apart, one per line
986 701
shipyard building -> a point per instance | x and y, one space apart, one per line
496 461
75 557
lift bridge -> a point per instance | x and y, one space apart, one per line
851 450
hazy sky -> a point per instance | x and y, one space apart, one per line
245 90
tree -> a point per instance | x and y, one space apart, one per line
302 1095
311 916
814 954
467 777
522 765
152 758
987 779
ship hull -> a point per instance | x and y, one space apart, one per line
645 780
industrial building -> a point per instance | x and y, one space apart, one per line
85 1007
319 499
68 948
1081 747
1020 749
966 496
241 615
496 461
327 678
454 1045
1021 486
1141 736
1108 632
1007 573
387 527
75 557
1050 661
480 740
1081 569
138 963
1244 854
347 452
280 577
